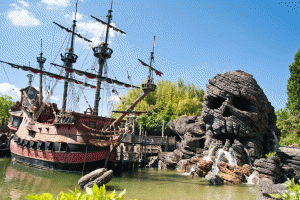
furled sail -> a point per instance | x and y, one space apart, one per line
110 26
69 31
159 73
52 75
92 76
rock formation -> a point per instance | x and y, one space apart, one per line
267 187
270 168
237 123
236 110
233 174
290 158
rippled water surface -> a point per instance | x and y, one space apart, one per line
16 181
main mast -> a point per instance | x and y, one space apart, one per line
102 52
41 60
69 58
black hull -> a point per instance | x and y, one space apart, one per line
65 167
5 153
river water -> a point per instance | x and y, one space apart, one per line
17 180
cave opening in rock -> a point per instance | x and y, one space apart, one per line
216 103
227 112
241 103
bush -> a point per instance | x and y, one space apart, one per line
273 153
94 193
289 126
292 191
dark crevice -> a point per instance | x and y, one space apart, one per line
215 103
191 121
241 103
227 112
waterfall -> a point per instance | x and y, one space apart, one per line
188 173
275 140
248 157
229 155
253 179
208 157
275 137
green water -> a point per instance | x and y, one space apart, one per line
17 180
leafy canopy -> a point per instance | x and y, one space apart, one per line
5 103
167 102
289 125
293 87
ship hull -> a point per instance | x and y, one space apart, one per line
62 161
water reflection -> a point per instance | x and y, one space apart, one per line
16 181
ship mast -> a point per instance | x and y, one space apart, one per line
41 60
102 52
147 88
69 58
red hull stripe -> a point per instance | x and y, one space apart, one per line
61 157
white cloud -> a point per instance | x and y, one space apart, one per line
79 16
22 17
95 31
51 4
10 90
24 3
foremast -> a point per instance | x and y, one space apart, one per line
69 58
41 60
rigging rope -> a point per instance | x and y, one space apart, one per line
128 76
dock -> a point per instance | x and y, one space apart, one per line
135 150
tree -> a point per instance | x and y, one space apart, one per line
167 102
5 104
293 86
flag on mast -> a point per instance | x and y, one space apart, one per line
154 42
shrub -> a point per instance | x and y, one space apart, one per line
94 193
273 153
292 191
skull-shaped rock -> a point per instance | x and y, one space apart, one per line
235 107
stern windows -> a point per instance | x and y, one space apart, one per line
63 147
49 146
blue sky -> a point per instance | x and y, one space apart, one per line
195 40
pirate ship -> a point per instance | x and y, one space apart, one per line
47 137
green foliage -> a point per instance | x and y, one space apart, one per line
94 193
293 87
5 104
289 125
292 191
167 102
273 153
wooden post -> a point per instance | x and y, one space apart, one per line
122 158
140 129
163 128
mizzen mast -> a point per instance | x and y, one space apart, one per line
102 52
41 60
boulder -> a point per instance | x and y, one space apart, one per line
214 179
267 187
233 174
290 157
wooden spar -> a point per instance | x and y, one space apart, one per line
52 75
41 60
129 109
92 76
